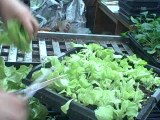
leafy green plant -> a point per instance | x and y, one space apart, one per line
11 80
147 32
97 76
15 34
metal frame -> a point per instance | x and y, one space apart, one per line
53 43
53 35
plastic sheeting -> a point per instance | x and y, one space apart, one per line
60 15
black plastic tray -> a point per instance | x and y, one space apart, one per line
134 14
78 111
138 10
141 3
126 15
139 49
155 114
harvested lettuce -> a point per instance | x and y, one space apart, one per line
11 80
112 84
15 34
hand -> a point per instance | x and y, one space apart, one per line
12 107
15 9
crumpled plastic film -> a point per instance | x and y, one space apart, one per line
60 15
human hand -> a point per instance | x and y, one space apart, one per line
15 9
12 107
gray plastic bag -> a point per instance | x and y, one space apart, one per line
62 16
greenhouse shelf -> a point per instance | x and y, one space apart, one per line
52 43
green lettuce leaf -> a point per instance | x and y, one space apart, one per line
65 107
104 113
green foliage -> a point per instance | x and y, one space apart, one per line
15 34
11 80
104 113
96 76
65 107
37 110
147 32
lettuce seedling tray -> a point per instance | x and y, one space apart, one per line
152 59
127 14
78 111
